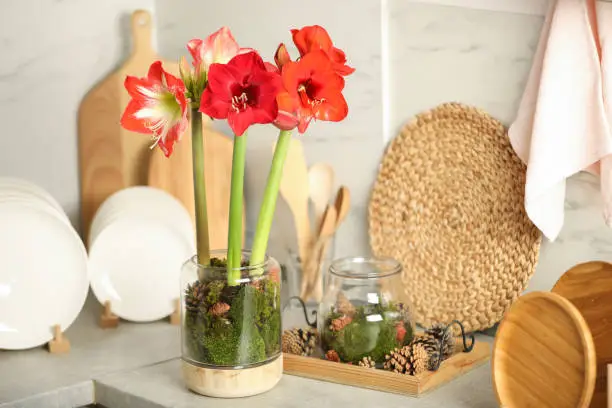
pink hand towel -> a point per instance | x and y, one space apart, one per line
561 127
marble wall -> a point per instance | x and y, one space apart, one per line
54 51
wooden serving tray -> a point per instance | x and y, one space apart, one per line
381 380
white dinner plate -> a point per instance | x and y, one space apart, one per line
8 184
43 276
135 264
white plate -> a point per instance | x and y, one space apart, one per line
34 203
141 201
43 276
135 264
24 186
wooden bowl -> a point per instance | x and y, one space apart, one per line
544 355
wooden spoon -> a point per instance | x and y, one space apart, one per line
294 189
311 279
321 183
342 204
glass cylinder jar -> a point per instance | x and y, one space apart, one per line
231 321
364 312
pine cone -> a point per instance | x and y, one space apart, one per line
367 362
332 355
419 358
431 346
447 340
398 360
299 342
219 309
344 306
194 295
339 323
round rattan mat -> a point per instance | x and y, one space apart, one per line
448 204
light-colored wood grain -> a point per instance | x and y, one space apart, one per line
175 175
108 320
544 355
225 383
175 317
387 381
589 287
294 189
111 158
59 344
311 280
321 180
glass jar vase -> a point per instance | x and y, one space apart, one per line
231 326
364 313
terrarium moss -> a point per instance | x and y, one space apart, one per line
362 338
249 333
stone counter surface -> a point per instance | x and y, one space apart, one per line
138 366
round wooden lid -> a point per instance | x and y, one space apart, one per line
589 287
544 355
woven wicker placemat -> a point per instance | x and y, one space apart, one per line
448 204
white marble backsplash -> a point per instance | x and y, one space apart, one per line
54 51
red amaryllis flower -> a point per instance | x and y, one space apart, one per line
158 107
243 91
314 87
313 38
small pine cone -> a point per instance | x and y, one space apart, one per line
339 323
194 295
398 360
219 309
419 359
344 306
300 342
432 347
367 362
332 355
447 340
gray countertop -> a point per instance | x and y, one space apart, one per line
138 366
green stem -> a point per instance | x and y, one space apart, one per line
234 246
199 188
268 205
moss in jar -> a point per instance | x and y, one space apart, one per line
232 325
355 336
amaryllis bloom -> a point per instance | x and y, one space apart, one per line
315 88
243 91
313 38
158 107
219 47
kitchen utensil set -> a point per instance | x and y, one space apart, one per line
43 273
300 184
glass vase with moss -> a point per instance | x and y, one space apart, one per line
231 327
365 312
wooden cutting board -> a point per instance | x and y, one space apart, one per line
589 287
110 157
544 355
175 175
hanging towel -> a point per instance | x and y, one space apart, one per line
562 127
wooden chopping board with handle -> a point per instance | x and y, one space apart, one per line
175 175
589 287
112 158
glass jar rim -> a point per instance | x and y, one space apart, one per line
215 253
392 267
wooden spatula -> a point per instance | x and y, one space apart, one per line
321 178
294 189
110 157
312 271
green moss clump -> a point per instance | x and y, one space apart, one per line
362 338
249 333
